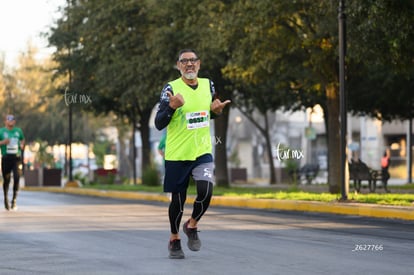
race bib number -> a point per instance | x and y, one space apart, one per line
12 147
197 120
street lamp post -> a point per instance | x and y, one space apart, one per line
342 96
70 107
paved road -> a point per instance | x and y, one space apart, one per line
67 234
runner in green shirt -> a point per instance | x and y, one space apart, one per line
12 145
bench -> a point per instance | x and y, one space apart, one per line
359 172
379 177
308 172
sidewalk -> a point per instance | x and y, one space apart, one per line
335 207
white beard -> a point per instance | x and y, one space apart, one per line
189 75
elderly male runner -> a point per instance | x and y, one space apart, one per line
186 106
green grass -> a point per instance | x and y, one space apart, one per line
385 199
398 199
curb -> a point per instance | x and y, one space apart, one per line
342 208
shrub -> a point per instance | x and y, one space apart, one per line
150 176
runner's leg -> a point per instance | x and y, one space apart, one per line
202 202
203 176
16 178
6 181
175 211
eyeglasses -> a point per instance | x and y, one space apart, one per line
10 118
185 61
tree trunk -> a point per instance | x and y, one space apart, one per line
220 140
145 137
333 138
123 164
270 149
133 153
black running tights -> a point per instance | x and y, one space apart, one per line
201 203
9 165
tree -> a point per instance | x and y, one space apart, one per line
381 58
276 55
259 76
107 45
381 67
37 100
295 73
118 52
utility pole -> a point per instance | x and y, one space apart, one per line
409 150
70 138
342 96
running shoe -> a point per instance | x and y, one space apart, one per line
13 205
174 248
193 242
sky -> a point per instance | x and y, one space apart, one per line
22 21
